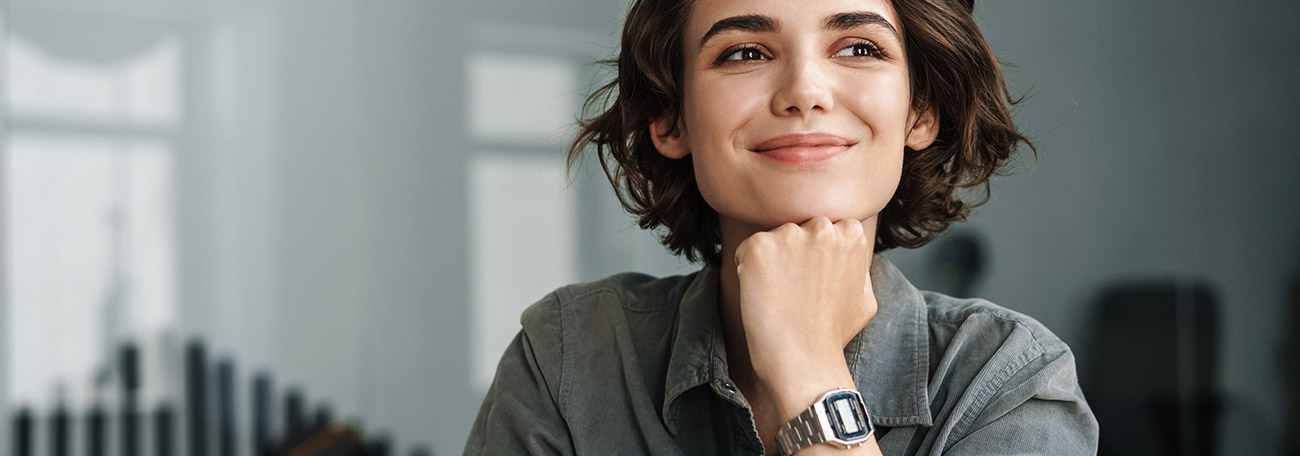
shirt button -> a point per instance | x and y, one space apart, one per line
727 385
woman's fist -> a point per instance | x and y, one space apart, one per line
804 294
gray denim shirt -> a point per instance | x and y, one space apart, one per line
633 365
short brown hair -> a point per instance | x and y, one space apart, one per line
951 69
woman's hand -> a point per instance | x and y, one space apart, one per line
804 294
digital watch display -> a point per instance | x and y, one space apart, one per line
838 418
847 417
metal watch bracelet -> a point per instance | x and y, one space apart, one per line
814 425
802 432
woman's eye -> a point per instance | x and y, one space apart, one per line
744 54
861 50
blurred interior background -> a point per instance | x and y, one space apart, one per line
353 200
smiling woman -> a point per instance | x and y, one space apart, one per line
783 144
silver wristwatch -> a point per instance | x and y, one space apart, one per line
838 418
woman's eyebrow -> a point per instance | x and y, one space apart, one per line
845 21
749 23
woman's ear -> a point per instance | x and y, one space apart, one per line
925 128
669 136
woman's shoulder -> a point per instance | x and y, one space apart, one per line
986 320
1002 360
998 372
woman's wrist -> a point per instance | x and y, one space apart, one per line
795 387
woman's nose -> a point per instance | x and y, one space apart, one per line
804 88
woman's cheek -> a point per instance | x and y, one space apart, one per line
723 108
714 180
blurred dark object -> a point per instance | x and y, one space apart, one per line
957 263
295 418
303 435
262 414
59 424
164 431
129 427
378 446
324 415
128 358
1291 375
129 373
226 407
24 428
196 397
96 431
1154 382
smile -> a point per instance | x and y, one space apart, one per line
803 149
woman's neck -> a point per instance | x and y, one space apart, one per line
738 363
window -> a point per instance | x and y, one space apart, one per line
90 222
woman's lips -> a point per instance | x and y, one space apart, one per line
803 149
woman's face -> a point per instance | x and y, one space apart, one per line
794 109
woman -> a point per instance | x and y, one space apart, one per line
783 144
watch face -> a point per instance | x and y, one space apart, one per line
848 418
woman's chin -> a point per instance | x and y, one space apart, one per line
768 210
774 217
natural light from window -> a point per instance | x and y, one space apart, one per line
91 225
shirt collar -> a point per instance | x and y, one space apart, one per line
889 359
699 353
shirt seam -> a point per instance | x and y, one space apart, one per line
1018 323
996 384
989 312
921 371
566 369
